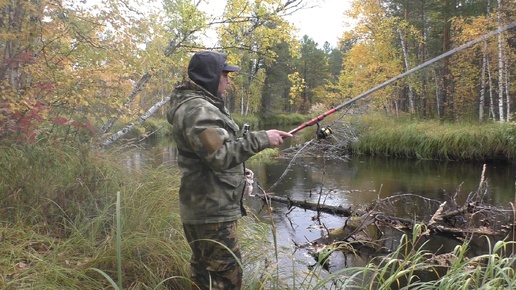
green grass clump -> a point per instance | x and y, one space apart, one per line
267 155
59 221
494 270
252 120
409 266
157 128
404 137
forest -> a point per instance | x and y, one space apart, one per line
81 66
78 75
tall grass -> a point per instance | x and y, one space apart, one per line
72 218
404 137
409 266
59 222
494 270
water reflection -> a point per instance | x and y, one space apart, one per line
355 183
363 179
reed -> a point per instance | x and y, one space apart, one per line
494 270
408 138
411 267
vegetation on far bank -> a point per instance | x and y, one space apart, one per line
382 135
412 138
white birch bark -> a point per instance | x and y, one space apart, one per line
437 96
500 67
137 88
140 120
507 86
483 85
491 97
242 104
482 100
247 103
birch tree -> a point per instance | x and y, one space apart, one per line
482 100
500 66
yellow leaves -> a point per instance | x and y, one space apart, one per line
368 64
464 66
375 57
297 88
472 27
4 3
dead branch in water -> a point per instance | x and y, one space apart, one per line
363 228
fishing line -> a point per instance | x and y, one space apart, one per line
398 77
290 164
327 131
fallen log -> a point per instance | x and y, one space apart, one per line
304 204
439 224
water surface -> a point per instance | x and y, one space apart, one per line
354 183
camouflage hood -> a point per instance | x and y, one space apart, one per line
188 91
205 69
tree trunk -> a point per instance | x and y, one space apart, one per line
438 100
422 52
491 97
446 74
137 88
507 86
407 67
129 127
304 204
242 101
483 85
500 67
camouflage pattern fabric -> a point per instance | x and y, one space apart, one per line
211 159
213 180
213 265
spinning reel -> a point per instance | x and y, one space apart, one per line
323 132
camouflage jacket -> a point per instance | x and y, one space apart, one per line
211 156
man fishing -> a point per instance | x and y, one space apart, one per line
211 158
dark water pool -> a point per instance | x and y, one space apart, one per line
356 182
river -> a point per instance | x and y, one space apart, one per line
356 182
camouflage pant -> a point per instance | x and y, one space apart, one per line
213 266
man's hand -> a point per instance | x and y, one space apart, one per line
276 137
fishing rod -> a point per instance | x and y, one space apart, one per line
324 132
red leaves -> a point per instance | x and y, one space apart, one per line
60 121
23 57
26 119
46 87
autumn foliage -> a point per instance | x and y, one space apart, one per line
72 70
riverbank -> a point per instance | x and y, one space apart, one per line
382 135
60 206
408 138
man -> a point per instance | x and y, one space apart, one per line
211 158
